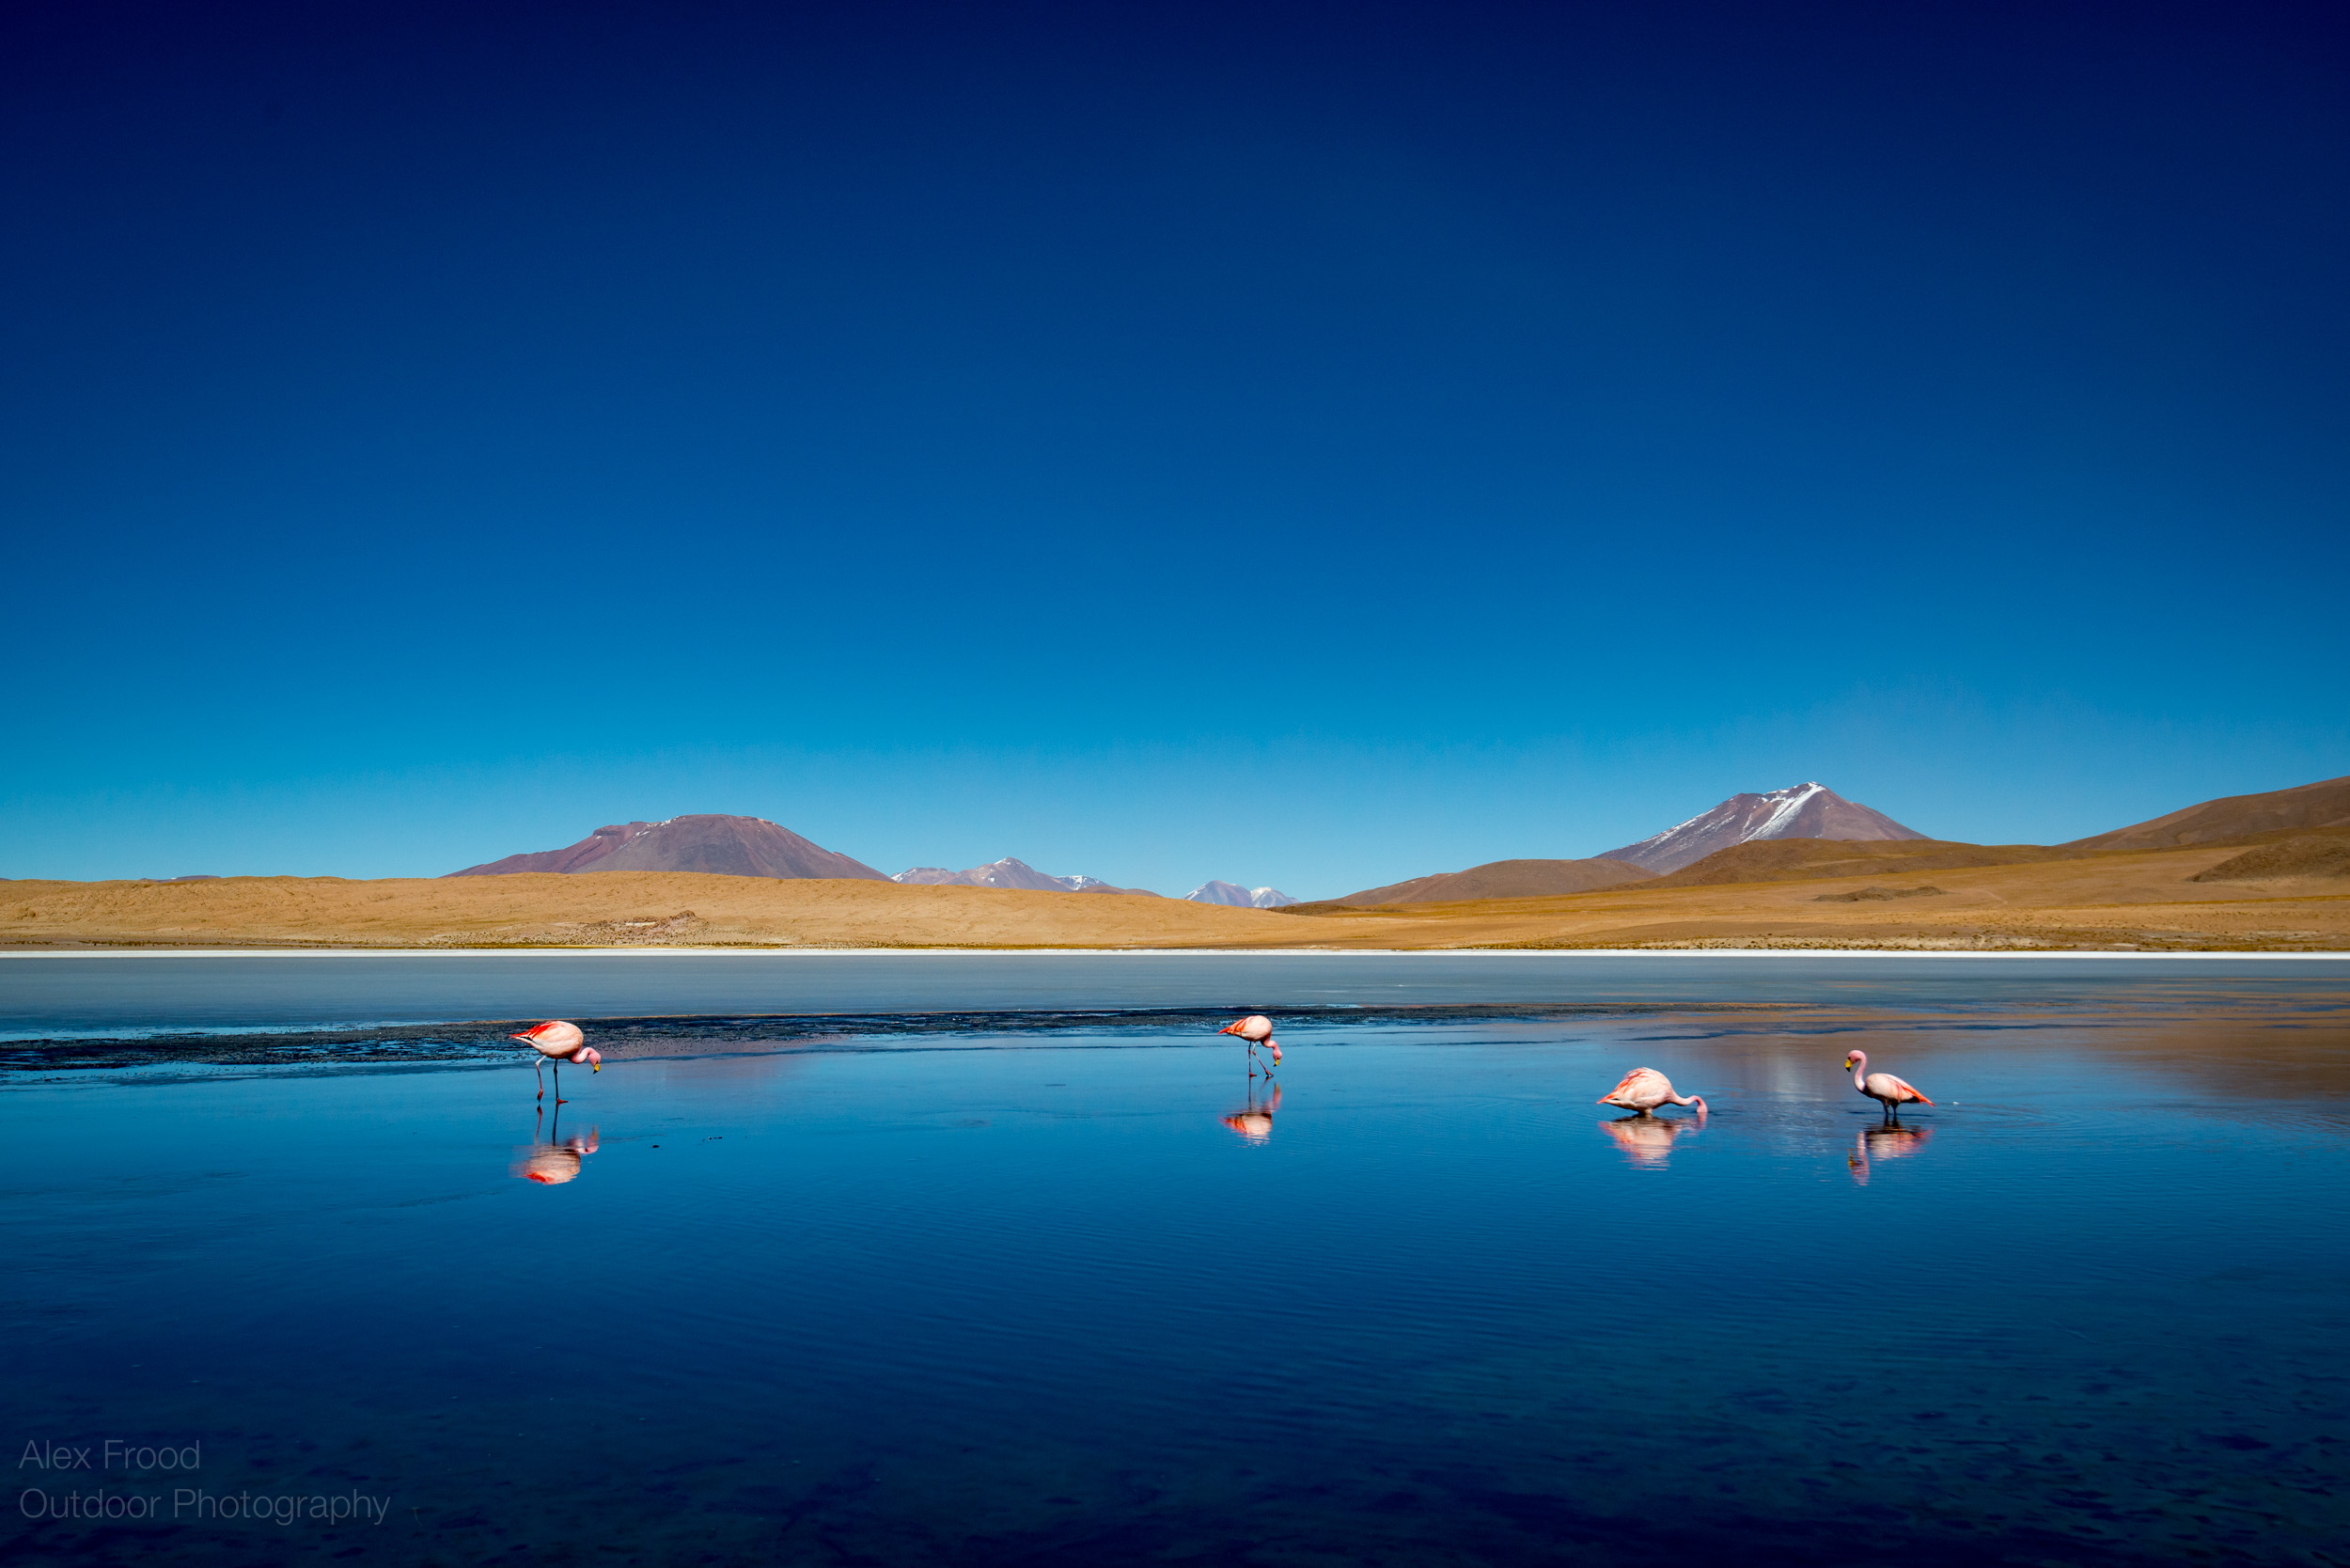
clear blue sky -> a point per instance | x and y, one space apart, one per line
1298 445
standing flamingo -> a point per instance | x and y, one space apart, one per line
1644 1088
1887 1089
1256 1028
558 1041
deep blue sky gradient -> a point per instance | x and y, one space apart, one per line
1293 444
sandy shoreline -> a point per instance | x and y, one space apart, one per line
1552 954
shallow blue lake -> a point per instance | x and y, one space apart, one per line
944 1260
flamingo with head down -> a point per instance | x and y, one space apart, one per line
1644 1088
558 1041
1887 1089
1258 1030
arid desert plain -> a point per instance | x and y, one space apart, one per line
2110 900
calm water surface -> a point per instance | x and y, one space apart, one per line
1073 1290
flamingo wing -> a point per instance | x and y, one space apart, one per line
1896 1089
1616 1094
554 1038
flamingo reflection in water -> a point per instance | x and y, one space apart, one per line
557 1160
1647 1140
1893 1140
1254 1120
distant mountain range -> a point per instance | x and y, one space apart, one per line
753 846
1505 879
1233 895
1798 812
1009 872
730 846
1809 832
1805 830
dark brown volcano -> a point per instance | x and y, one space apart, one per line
728 846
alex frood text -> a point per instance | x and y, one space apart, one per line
112 1454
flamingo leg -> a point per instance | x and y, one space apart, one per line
538 1071
558 1080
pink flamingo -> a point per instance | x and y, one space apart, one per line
558 1041
1644 1088
1256 1029
1888 1090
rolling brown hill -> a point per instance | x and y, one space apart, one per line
1810 859
727 846
2325 803
2308 855
1503 879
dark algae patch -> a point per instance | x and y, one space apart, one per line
696 1035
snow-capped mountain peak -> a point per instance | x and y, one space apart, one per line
1007 872
1807 810
1237 897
